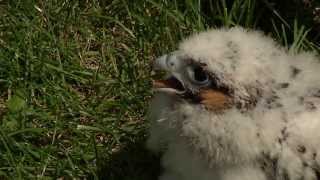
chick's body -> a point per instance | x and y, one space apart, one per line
268 130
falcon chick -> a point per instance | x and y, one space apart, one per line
236 106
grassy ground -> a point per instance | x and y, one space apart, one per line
75 76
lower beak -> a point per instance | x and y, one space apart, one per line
170 84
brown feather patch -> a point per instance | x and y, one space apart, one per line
214 100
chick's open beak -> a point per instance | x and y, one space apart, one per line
173 66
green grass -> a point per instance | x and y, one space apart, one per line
75 77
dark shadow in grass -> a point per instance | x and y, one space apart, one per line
133 162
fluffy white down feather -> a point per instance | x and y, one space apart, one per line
277 139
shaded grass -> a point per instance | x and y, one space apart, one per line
75 78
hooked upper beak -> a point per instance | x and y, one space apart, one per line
160 63
172 65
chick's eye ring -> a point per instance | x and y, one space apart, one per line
197 75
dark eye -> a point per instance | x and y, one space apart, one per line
198 75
